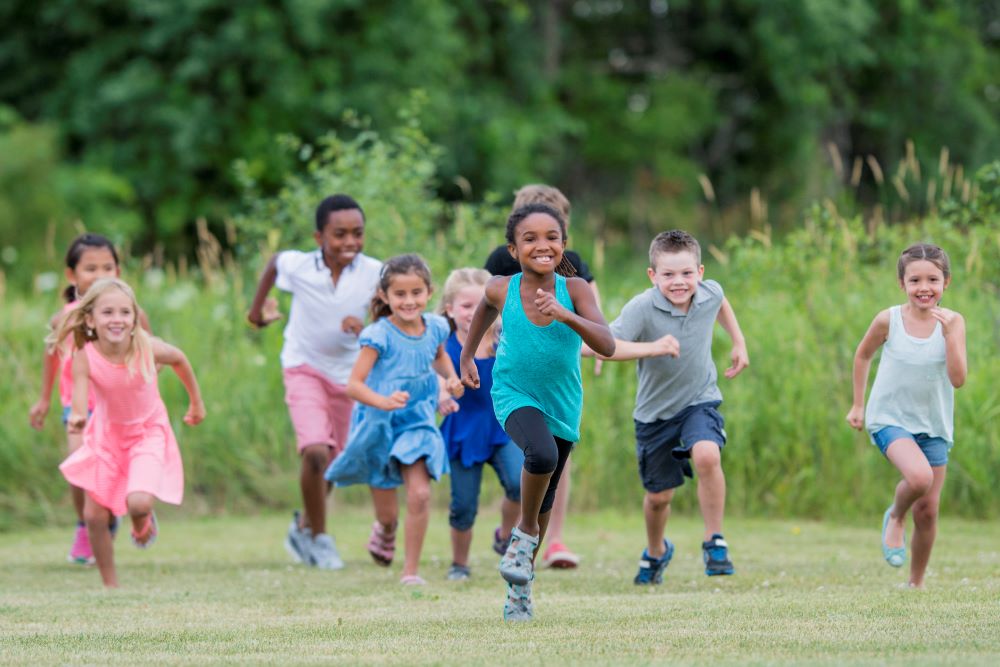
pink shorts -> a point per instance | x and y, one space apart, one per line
320 409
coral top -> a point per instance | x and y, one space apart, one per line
128 444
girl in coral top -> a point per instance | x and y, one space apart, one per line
129 455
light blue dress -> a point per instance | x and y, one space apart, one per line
380 441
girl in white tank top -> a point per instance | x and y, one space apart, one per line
910 414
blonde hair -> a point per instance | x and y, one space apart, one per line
457 281
140 350
537 193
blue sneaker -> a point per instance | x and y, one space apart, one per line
651 569
298 542
323 553
715 552
894 556
515 566
519 605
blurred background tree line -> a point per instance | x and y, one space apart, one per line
129 115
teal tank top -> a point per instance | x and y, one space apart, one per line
538 367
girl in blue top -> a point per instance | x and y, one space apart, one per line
910 414
537 391
471 431
394 438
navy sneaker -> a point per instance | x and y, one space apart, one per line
499 543
716 555
651 569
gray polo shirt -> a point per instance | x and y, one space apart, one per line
668 385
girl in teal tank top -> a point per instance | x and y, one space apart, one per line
537 391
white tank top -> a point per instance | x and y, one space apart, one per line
912 389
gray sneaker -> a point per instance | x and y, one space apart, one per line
515 566
519 605
324 553
458 572
298 541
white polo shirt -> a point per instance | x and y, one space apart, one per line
314 335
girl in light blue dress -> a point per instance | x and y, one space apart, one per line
394 437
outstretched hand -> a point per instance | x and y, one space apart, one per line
470 374
856 417
37 414
352 325
547 304
75 423
395 400
667 346
195 413
454 387
267 314
947 318
740 360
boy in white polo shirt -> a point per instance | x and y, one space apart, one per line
668 328
331 289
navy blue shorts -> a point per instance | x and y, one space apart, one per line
664 447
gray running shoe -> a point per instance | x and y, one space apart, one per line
324 553
516 566
519 605
298 541
458 572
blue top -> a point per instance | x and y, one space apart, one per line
473 432
539 367
379 440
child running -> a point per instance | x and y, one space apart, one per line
669 328
331 288
471 430
89 258
129 456
910 413
394 437
537 390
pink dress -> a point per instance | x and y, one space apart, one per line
128 444
66 376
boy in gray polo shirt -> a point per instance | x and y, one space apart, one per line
668 328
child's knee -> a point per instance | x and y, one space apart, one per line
462 517
541 460
315 459
920 481
95 516
418 497
925 513
706 457
139 503
660 500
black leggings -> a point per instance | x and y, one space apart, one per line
543 452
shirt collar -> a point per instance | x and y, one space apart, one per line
661 302
321 265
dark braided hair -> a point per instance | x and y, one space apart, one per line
80 244
396 266
565 268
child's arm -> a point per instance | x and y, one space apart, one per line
739 356
263 310
486 313
627 350
446 404
587 321
445 369
359 391
81 381
169 355
873 339
953 329
50 369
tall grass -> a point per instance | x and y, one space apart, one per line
803 302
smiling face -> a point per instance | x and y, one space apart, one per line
343 236
463 306
538 243
924 284
113 317
407 297
94 263
677 275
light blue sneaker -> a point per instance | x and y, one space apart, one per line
894 556
298 541
323 553
519 605
515 566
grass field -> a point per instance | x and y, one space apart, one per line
222 590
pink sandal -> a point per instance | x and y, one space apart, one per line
147 536
382 544
413 580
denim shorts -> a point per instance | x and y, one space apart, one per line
664 447
506 460
935 449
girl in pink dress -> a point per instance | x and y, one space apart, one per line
129 456
89 257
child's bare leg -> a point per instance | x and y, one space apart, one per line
140 506
97 518
925 514
418 512
543 524
707 460
557 517
315 459
533 488
461 543
918 478
509 512
386 508
656 511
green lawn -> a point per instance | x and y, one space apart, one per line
223 590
